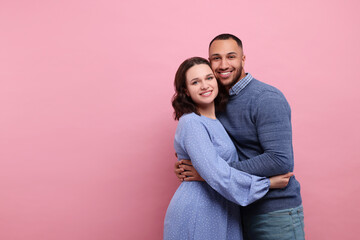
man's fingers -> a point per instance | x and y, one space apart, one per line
187 173
177 163
179 170
187 162
194 178
190 179
186 167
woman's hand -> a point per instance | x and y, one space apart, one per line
280 181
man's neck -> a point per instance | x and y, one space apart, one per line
243 74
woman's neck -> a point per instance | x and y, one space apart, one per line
207 111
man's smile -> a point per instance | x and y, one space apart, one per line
225 74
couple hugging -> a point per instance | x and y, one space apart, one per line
234 145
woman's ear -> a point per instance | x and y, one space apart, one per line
187 93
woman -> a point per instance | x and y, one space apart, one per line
208 210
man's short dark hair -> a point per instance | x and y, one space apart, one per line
226 36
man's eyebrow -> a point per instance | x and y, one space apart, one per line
217 54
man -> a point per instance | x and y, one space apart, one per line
258 119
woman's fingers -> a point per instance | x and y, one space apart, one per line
289 174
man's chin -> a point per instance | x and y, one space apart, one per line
228 82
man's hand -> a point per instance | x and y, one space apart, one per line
280 181
178 171
185 171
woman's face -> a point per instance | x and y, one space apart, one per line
201 84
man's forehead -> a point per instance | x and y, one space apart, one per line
224 47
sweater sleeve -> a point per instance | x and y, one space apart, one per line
236 186
272 117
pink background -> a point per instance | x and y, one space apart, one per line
86 129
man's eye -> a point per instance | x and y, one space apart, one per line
231 57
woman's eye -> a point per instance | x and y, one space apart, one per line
194 83
210 78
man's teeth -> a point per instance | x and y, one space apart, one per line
224 73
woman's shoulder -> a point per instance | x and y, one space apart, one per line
190 121
189 117
198 119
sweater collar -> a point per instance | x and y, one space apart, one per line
240 85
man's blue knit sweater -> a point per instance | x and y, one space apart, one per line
258 119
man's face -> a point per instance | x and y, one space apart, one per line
227 61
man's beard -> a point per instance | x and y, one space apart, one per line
235 79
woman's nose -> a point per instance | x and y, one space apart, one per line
204 86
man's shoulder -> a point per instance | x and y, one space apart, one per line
260 86
261 90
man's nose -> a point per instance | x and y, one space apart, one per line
224 64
